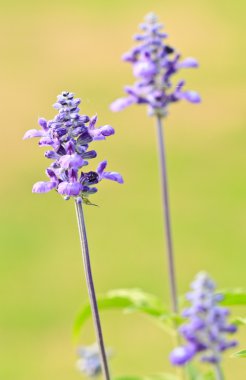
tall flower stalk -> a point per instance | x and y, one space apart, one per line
154 63
69 135
91 289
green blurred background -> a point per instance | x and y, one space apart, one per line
50 46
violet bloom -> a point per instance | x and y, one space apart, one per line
207 329
69 135
154 64
89 362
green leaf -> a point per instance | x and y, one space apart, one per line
240 354
233 297
239 321
128 300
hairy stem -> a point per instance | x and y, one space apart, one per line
166 215
91 289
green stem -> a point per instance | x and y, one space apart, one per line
218 372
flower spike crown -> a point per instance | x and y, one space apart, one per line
154 64
206 331
69 135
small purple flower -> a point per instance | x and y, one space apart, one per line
207 329
154 64
69 135
89 362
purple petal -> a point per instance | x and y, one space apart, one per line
51 154
188 63
144 69
43 123
50 173
46 141
191 96
181 355
74 161
122 103
113 176
129 57
102 132
107 130
33 133
43 187
93 122
70 188
101 167
90 154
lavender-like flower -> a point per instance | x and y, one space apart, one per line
69 135
89 362
207 329
154 64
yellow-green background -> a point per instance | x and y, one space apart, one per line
50 46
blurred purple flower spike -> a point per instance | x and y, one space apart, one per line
154 64
206 331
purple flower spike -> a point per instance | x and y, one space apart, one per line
207 329
154 64
69 135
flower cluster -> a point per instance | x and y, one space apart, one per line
89 362
207 328
154 63
69 135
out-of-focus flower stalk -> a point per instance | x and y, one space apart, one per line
166 214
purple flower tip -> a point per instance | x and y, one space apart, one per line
192 96
188 63
181 355
43 187
121 103
33 133
154 64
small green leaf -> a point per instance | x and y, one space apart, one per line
127 300
233 297
240 354
239 321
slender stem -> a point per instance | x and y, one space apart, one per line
218 372
91 289
166 215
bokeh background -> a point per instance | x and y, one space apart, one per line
50 46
